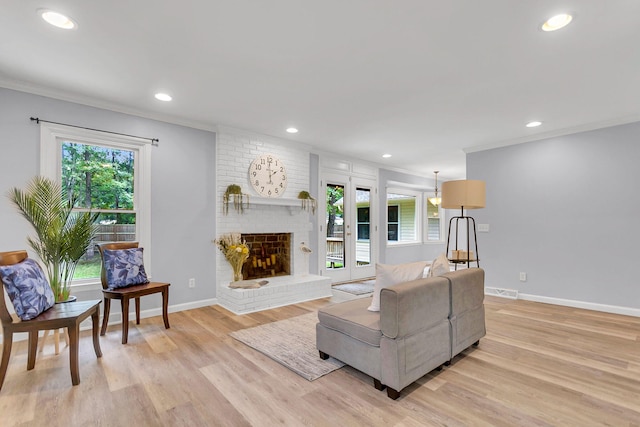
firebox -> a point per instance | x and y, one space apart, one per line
269 255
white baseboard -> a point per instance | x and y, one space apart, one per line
116 318
627 311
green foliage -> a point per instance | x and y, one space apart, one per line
98 177
234 193
334 193
62 236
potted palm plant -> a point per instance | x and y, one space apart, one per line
62 235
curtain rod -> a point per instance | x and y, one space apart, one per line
154 141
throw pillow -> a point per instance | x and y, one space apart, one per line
27 288
440 266
124 267
389 275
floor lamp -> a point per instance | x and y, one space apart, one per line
463 194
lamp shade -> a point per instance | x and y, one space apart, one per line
467 193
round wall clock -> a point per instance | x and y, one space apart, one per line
268 176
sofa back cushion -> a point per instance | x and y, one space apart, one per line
467 289
392 274
413 306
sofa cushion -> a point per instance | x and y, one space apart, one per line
389 275
353 319
440 266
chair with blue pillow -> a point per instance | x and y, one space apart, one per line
36 310
123 278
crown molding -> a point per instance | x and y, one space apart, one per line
97 103
556 133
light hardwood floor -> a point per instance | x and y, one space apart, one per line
538 365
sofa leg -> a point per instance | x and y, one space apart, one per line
439 368
323 356
447 363
378 385
475 344
392 394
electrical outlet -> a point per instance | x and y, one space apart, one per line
192 283
523 277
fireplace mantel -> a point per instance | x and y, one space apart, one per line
292 204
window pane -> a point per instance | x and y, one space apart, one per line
392 233
99 177
392 215
363 214
402 211
335 226
363 231
113 227
433 222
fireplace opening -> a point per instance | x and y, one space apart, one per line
269 255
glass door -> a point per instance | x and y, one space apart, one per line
349 231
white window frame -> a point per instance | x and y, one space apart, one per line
417 216
441 212
51 139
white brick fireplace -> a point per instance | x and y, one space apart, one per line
235 151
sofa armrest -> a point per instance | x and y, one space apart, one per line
409 307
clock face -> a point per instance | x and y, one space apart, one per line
268 176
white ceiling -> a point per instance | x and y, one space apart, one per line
424 80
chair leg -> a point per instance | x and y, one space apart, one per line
125 320
7 341
44 340
137 311
56 340
165 308
95 323
105 315
74 332
33 349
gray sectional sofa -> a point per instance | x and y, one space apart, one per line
421 325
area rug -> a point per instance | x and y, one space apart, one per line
359 288
292 343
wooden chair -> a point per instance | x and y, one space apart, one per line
125 294
64 315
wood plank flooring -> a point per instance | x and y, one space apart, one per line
539 365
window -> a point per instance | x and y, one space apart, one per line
392 222
403 212
363 223
107 174
434 230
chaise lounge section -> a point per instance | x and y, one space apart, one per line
421 325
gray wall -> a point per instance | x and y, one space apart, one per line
404 253
565 211
182 189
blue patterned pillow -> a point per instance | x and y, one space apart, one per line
27 288
124 267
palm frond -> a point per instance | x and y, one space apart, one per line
63 235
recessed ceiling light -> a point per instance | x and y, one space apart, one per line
556 22
163 97
57 19
292 130
533 124
386 156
